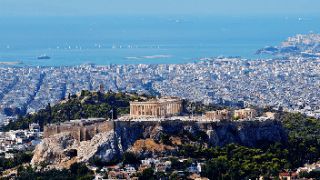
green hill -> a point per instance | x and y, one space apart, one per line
85 105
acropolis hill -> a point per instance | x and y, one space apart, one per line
124 119
164 109
118 137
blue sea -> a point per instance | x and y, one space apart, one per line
140 39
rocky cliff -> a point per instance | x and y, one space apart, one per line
61 150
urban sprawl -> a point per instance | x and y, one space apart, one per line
292 84
290 80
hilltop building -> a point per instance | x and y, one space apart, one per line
270 115
247 113
101 88
163 107
218 114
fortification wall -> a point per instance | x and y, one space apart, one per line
49 131
73 130
105 126
79 131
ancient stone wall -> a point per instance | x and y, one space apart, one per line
82 131
50 131
73 130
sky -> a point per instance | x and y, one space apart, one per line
156 7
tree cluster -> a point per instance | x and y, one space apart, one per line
86 105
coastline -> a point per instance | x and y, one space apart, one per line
10 63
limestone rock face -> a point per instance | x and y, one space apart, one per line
147 147
247 133
62 149
51 151
104 145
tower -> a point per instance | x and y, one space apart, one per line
101 88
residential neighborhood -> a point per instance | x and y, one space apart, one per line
291 84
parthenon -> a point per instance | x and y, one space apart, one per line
163 107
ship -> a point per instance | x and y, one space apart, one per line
44 56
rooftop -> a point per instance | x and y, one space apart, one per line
158 100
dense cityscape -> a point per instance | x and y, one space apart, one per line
288 83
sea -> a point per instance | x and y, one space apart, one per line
104 40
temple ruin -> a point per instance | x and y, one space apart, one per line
163 107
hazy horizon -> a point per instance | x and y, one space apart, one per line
39 8
174 31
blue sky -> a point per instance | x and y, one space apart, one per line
156 7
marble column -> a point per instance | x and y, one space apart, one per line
140 107
155 110
148 110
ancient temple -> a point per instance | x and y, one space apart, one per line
163 107
218 115
247 113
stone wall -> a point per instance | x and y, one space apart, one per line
82 130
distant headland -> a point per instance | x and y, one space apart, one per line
10 63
